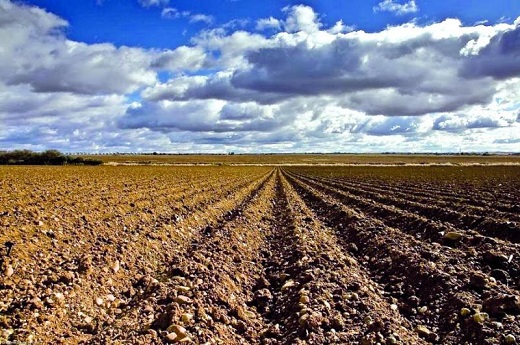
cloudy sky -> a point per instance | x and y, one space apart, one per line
283 76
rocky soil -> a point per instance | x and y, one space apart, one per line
255 255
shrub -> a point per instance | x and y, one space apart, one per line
48 157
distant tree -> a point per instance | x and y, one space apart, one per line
48 157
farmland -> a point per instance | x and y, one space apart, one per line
227 254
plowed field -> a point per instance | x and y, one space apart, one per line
260 255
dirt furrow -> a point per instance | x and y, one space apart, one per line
333 298
461 207
484 224
443 193
443 306
203 295
464 247
82 294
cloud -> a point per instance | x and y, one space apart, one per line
305 86
301 18
152 3
268 23
458 122
396 8
36 52
404 70
201 116
499 59
173 13
183 58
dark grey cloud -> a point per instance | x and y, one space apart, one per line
461 122
500 59
415 75
201 116
214 87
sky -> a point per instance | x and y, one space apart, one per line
217 76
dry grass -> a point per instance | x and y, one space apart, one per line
308 159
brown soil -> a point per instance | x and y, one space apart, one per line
255 255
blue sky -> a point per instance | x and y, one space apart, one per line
233 75
128 23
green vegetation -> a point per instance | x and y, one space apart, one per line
49 157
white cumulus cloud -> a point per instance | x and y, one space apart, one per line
397 8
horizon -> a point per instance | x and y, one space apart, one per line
413 77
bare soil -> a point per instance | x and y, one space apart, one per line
259 255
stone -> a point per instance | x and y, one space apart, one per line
510 339
9 271
186 317
480 317
178 330
465 312
115 266
289 284
452 235
171 337
183 299
183 289
423 331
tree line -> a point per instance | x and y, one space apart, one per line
48 157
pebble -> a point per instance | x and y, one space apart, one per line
183 288
304 299
178 330
422 309
393 306
510 339
288 284
9 271
480 317
115 266
326 304
171 337
465 312
423 330
182 299
99 301
186 317
453 235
